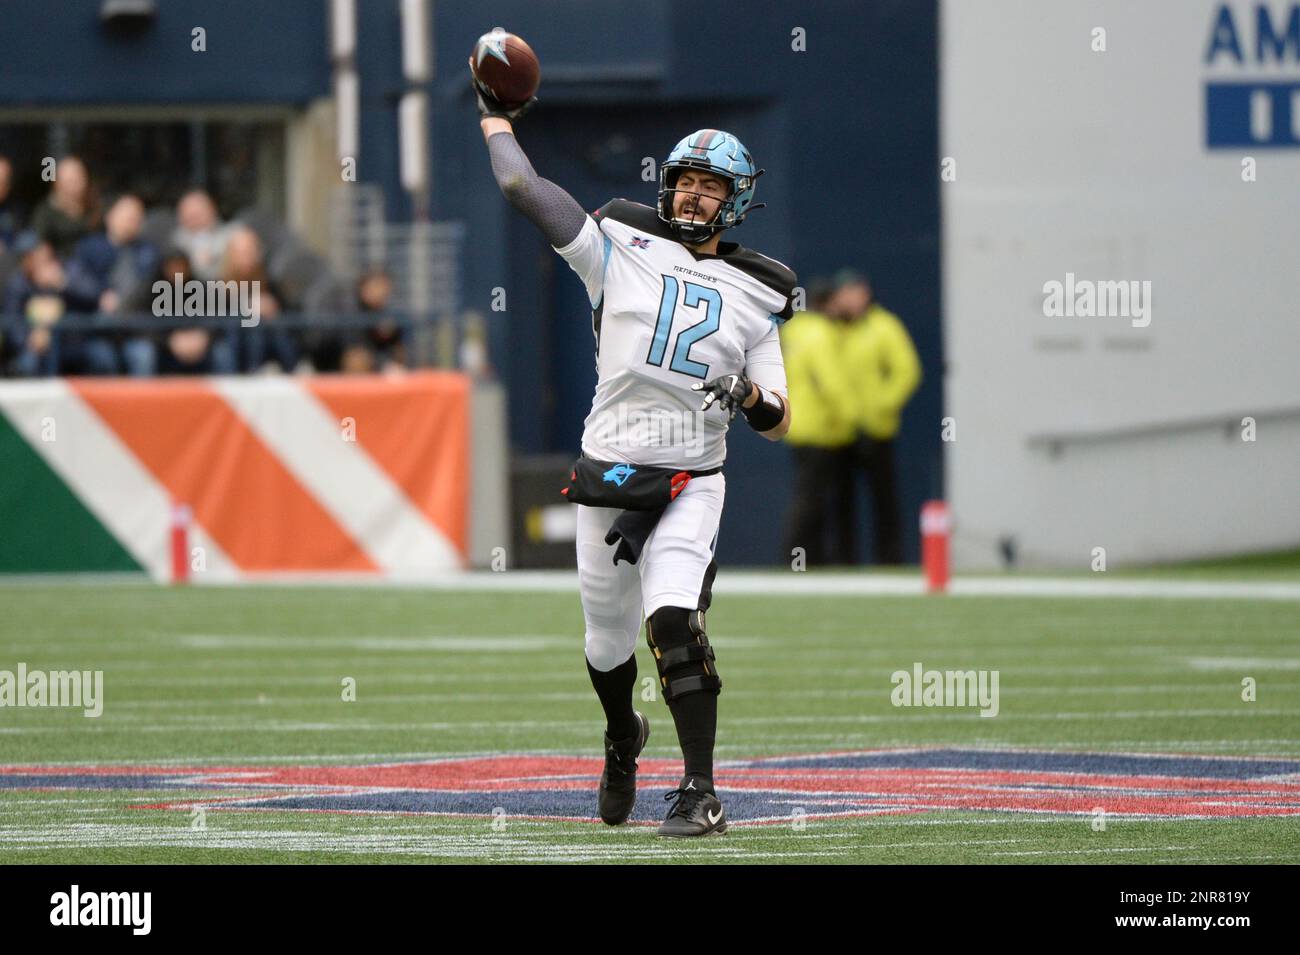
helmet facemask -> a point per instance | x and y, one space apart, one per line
694 233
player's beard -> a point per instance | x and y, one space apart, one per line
694 217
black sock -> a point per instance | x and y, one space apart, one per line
614 687
696 716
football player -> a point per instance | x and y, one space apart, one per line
685 329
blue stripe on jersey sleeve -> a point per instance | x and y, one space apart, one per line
604 270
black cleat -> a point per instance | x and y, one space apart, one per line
617 793
697 812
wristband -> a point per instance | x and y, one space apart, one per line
767 412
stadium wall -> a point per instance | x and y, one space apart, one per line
1125 432
254 53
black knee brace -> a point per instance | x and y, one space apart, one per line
682 652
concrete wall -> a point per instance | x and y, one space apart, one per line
1119 432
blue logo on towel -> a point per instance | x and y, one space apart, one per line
619 473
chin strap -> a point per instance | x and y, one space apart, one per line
683 231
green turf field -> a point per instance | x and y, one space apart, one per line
251 677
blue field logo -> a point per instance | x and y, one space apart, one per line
1247 102
755 791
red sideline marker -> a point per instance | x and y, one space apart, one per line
936 525
182 517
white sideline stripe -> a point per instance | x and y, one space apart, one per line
1064 587
757 583
356 492
105 476
789 583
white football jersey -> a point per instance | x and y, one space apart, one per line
665 318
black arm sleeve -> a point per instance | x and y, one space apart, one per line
546 205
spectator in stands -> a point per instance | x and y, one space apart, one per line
122 265
36 299
11 219
201 235
381 346
70 211
194 350
265 344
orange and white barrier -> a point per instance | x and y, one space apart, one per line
324 475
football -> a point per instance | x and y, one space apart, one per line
507 66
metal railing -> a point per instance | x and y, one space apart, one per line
1229 423
433 339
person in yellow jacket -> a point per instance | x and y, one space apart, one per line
823 415
880 359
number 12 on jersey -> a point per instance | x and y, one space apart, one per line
696 296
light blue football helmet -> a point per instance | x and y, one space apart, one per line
709 150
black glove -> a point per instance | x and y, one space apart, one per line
729 391
489 105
